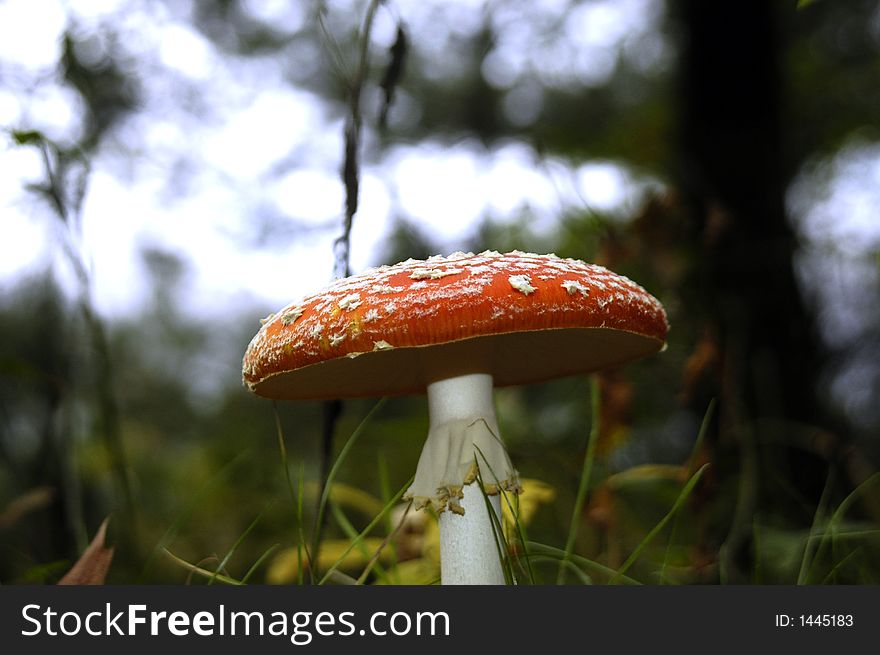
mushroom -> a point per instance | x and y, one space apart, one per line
456 327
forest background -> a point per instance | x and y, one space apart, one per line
171 172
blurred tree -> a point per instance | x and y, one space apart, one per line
734 174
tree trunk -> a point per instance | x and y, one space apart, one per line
733 173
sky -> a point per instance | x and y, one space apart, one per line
253 120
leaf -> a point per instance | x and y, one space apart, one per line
393 73
91 568
28 137
346 496
285 566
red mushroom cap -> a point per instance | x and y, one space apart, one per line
392 330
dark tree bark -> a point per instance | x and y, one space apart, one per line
734 175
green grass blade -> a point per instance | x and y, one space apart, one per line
501 545
238 542
349 530
591 565
586 472
301 533
689 471
807 560
384 480
701 437
205 573
833 572
657 528
256 565
296 498
840 512
334 470
197 499
843 534
384 494
522 538
514 511
571 566
844 506
379 517
385 542
522 535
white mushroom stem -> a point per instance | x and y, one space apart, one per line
468 550
463 435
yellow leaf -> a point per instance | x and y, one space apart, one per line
534 494
285 565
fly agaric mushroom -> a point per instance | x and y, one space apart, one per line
455 327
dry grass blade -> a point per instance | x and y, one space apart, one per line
91 568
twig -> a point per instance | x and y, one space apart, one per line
342 245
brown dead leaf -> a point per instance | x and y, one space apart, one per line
701 370
28 502
91 568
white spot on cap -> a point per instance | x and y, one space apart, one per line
350 302
289 317
432 273
574 287
522 283
381 345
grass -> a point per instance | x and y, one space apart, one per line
830 548
334 470
584 482
388 507
223 562
652 534
832 534
296 495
